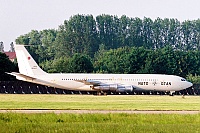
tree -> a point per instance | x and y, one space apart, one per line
80 64
12 49
136 37
47 49
113 61
58 65
6 66
1 47
137 59
81 35
107 28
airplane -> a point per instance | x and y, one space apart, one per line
29 71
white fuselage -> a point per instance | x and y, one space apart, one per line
138 81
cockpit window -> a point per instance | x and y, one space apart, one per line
183 79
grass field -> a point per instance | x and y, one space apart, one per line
90 102
99 123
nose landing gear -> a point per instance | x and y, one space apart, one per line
171 93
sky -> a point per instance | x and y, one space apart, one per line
19 17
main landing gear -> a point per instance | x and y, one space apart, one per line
99 93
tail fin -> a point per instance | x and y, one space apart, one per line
26 63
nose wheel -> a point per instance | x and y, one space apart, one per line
171 93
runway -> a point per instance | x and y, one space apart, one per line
104 111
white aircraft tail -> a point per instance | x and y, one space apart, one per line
26 63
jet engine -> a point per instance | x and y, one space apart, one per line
114 88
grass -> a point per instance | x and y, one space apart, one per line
98 123
90 102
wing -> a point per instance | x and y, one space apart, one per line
90 82
97 85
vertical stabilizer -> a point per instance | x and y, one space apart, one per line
26 63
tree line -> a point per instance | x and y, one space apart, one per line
112 44
129 60
84 34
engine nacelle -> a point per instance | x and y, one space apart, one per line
102 88
125 89
114 88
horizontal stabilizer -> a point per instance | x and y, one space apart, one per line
22 76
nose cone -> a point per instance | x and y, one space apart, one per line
188 84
